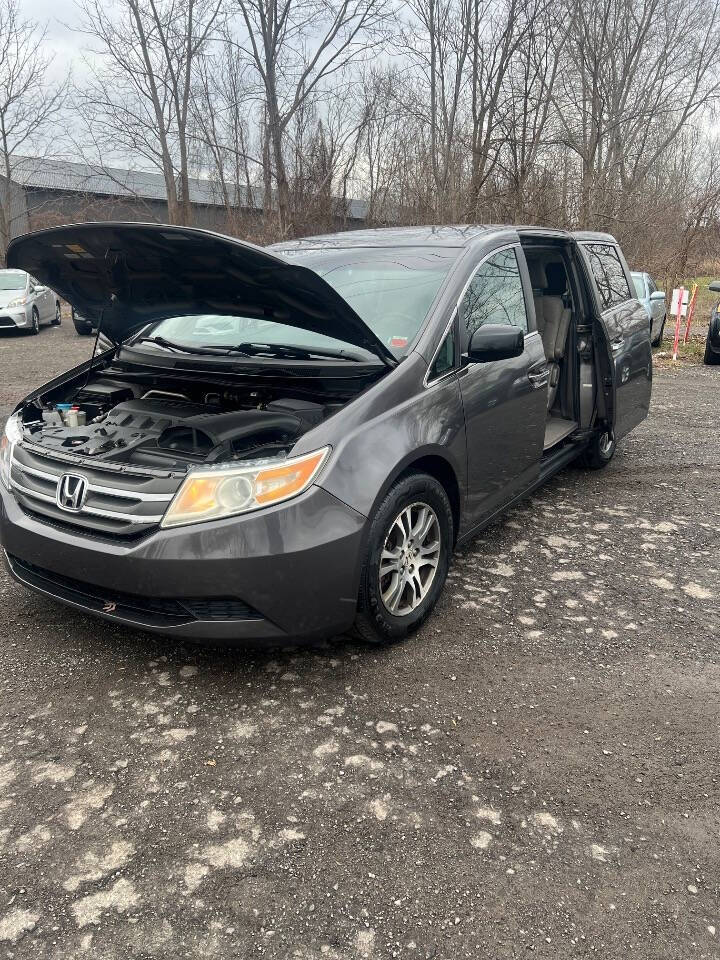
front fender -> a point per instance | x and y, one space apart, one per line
374 452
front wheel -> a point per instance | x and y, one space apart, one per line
35 323
600 450
407 559
58 314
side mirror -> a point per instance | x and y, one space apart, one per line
496 342
714 286
39 288
658 295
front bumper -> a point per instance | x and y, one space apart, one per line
16 318
288 572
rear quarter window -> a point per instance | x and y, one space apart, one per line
609 274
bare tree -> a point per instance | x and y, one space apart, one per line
437 41
222 112
636 73
29 104
138 97
498 31
528 120
298 48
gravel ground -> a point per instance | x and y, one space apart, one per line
535 772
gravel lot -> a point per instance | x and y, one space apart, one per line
536 772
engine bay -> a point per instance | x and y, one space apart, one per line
171 426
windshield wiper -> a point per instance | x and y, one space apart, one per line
286 352
275 350
171 345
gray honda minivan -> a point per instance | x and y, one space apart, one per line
289 442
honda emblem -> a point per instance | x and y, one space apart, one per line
71 492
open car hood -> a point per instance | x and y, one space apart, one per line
125 275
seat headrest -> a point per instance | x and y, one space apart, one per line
556 278
538 279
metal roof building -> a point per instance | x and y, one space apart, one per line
44 192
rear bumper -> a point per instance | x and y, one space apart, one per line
285 573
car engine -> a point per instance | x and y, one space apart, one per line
123 422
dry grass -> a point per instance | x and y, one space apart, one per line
690 354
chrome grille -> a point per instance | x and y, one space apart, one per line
118 502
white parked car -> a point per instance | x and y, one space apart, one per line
25 303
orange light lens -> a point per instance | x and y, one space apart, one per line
277 483
198 495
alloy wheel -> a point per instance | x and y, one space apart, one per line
409 558
606 443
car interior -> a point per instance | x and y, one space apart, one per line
556 318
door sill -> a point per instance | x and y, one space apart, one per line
556 430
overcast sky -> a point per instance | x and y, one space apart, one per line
63 40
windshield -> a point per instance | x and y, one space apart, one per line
639 283
390 289
12 279
214 331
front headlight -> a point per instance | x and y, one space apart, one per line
18 302
227 491
11 434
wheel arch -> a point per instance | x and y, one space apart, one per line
435 465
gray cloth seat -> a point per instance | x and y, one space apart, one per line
552 316
554 337
539 283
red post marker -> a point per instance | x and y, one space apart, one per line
691 311
677 322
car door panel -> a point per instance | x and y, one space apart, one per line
627 333
505 413
36 301
624 324
504 401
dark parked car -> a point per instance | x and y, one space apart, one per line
285 442
82 326
712 343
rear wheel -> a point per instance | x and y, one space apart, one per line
600 451
406 564
58 316
35 328
710 357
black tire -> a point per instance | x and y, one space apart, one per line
82 329
710 358
57 319
374 622
600 451
658 339
35 328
